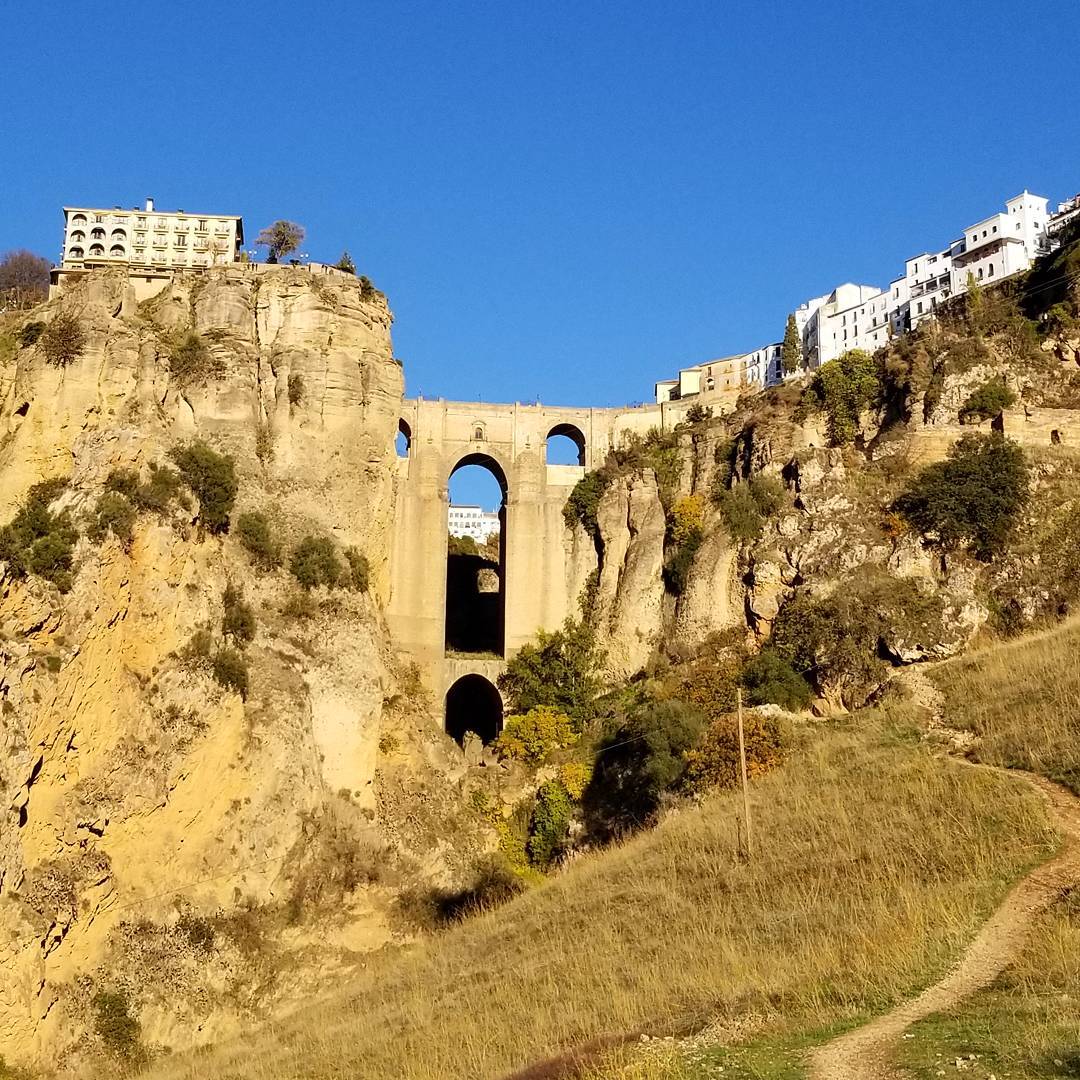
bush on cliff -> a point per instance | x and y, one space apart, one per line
62 341
770 679
39 542
254 532
113 513
212 479
842 389
535 735
714 760
973 499
192 362
987 401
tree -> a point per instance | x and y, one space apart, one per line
791 350
281 239
24 279
843 388
346 264
971 499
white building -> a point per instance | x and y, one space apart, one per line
864 317
472 521
149 238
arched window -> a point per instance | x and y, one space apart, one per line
403 442
476 556
78 236
75 253
78 219
117 251
97 234
565 445
473 704
97 249
478 433
118 234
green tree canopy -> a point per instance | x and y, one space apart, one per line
791 350
281 239
971 499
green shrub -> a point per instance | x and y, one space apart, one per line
113 513
30 334
636 763
300 605
359 572
114 1024
230 670
62 341
697 413
741 513
549 825
191 361
987 401
461 545
53 663
315 562
679 561
584 500
533 736
560 670
123 482
971 499
843 388
769 678
39 542
768 493
254 532
212 479
238 620
714 761
197 651
296 388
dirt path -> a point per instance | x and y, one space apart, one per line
865 1053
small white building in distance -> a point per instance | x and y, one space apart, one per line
472 521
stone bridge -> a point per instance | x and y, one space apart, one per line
538 587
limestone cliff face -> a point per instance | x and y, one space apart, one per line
629 606
134 790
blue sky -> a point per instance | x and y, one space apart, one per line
563 201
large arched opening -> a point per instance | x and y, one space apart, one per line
473 704
565 445
476 556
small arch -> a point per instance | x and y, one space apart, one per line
403 440
565 445
75 252
97 249
118 234
97 234
117 251
78 236
488 462
78 219
478 433
473 704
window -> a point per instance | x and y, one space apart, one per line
990 272
980 273
919 312
995 228
478 434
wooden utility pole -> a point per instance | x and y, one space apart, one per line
745 784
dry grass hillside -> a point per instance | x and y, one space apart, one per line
875 862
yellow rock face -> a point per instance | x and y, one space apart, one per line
133 787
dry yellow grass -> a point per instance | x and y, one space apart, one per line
1022 700
875 863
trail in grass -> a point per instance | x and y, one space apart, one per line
866 1052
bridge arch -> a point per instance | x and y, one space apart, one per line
475 611
403 440
473 704
565 445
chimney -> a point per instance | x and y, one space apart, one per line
149 204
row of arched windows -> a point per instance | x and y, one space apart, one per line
564 445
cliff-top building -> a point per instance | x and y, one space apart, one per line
149 238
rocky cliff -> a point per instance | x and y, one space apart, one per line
149 812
